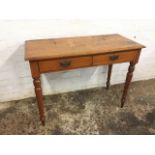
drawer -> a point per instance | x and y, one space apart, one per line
116 57
65 63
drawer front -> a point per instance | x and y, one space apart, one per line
116 57
64 64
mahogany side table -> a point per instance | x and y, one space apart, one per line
50 55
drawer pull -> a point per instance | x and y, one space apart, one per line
114 57
65 63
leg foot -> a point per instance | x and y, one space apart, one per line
43 122
122 102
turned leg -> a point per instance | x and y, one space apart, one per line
109 76
127 83
39 96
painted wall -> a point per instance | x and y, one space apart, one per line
15 76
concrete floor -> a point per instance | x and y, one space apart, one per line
93 111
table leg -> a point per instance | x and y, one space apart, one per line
39 96
127 83
109 76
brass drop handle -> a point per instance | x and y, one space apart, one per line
65 63
114 57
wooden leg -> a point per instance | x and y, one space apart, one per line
109 76
127 83
39 96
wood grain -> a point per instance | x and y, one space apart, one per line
77 46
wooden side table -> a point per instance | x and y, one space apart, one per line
50 55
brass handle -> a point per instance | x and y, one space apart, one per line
65 63
114 57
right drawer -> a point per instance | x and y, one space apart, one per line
116 57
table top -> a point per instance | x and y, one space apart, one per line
42 49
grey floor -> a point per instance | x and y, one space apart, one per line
93 111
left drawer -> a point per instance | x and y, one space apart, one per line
64 63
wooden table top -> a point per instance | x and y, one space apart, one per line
77 46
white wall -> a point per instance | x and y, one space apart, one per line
15 77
